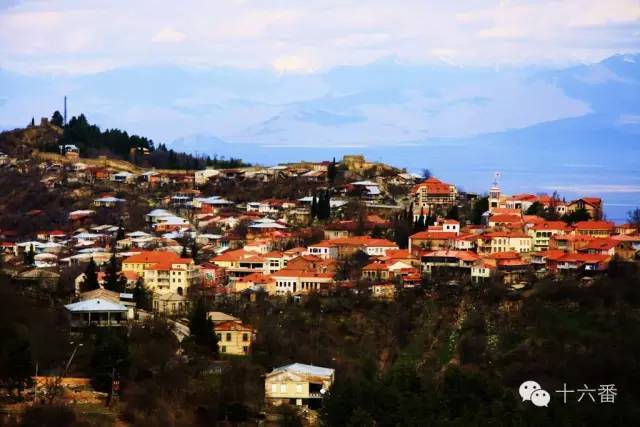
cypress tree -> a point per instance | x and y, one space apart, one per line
90 277
201 327
114 281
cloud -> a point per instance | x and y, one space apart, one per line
595 188
168 35
294 64
293 36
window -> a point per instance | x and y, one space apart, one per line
223 349
299 388
283 388
245 337
274 388
228 336
245 349
219 337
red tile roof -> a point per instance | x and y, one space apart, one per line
285 272
461 255
432 186
152 257
551 225
594 225
434 235
232 326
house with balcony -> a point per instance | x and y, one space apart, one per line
504 241
163 272
240 262
97 312
432 195
298 384
544 231
300 282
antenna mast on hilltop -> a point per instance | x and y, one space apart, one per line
65 110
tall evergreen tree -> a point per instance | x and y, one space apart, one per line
90 281
57 119
194 249
201 327
453 213
114 281
141 295
120 234
332 171
29 256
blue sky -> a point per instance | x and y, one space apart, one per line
292 36
543 90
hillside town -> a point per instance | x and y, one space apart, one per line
116 243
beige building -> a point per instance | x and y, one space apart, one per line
170 304
163 272
298 384
297 282
432 195
506 241
234 337
544 231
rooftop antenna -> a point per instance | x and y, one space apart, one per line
496 175
65 110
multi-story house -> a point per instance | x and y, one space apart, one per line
593 205
163 272
240 262
342 248
542 233
298 384
234 337
432 195
504 241
299 282
595 228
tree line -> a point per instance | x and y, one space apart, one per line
92 141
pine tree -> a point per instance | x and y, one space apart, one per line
114 281
331 172
201 327
421 222
120 234
140 294
324 206
90 277
194 250
30 256
57 119
453 213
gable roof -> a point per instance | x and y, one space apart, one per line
96 305
156 257
300 368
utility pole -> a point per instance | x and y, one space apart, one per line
35 385
65 110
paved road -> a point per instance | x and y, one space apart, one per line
179 329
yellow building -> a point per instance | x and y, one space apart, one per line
163 272
234 338
298 384
504 241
